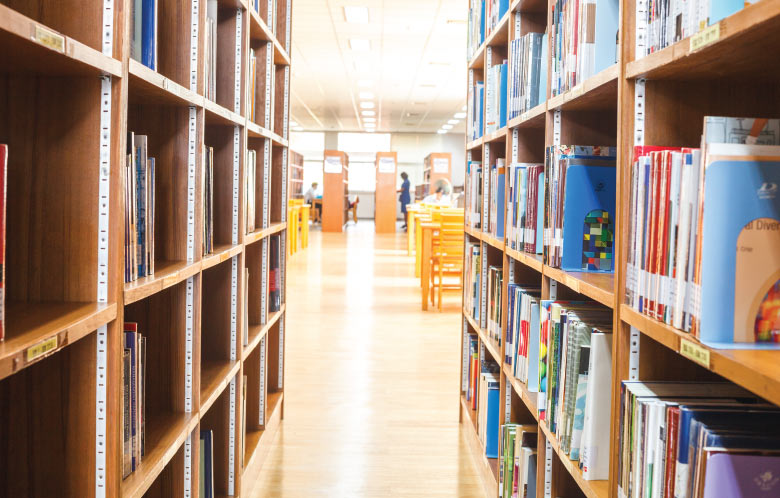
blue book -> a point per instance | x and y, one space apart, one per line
588 216
480 108
482 22
503 76
491 433
606 34
721 9
543 71
500 202
149 34
540 215
503 7
207 439
739 262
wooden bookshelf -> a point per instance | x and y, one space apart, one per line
72 95
386 196
436 166
729 77
335 189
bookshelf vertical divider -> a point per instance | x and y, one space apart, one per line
61 364
706 80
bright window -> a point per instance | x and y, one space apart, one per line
361 149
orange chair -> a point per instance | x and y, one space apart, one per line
447 255
351 207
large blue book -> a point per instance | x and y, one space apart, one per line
491 434
588 216
149 34
503 76
740 234
606 34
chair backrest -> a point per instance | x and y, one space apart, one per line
450 236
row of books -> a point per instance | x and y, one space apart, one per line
473 201
472 275
669 21
208 200
527 73
689 439
488 401
261 84
475 110
695 261
525 208
210 62
517 461
584 40
562 350
476 32
143 32
494 11
140 208
275 274
579 212
495 281
496 209
496 95
133 404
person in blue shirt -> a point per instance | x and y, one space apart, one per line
405 198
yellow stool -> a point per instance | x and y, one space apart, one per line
292 228
305 209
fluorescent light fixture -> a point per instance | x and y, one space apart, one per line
446 127
357 15
369 119
460 115
366 105
366 95
359 45
441 132
453 121
368 113
298 128
365 83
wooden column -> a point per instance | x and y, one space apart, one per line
386 199
335 177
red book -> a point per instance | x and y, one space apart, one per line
3 180
672 424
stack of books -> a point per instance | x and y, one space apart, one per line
584 41
579 207
139 213
143 32
497 205
494 309
134 386
700 264
527 73
525 208
208 200
689 439
496 97
473 214
517 465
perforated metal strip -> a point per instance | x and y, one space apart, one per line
284 184
639 111
641 29
264 283
108 28
269 61
515 138
232 440
553 289
280 384
191 158
508 403
188 341
237 81
236 179
633 355
261 418
483 293
267 182
557 127
547 469
101 367
188 467
194 29
286 104
464 377
269 18
234 308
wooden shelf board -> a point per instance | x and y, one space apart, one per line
493 241
755 370
214 378
23 53
257 442
597 92
485 469
532 118
750 31
218 115
257 332
155 87
165 433
474 144
221 254
166 274
254 130
490 345
266 232
473 232
531 260
591 489
469 414
478 59
29 324
597 286
528 6
259 30
500 34
496 136
528 398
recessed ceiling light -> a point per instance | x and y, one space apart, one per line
453 121
366 105
441 132
365 83
368 113
369 119
359 45
366 95
357 15
418 103
446 127
460 115
439 63
428 85
293 124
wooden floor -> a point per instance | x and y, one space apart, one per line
371 382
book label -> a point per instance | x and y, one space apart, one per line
49 39
695 352
41 349
705 37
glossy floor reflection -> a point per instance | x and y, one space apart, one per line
371 382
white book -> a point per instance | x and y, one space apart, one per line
595 439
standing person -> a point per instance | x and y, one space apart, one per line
405 198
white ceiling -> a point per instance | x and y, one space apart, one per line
416 64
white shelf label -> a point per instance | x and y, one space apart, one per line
332 164
441 165
387 165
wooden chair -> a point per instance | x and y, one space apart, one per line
447 255
351 208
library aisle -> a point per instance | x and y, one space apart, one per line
372 381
